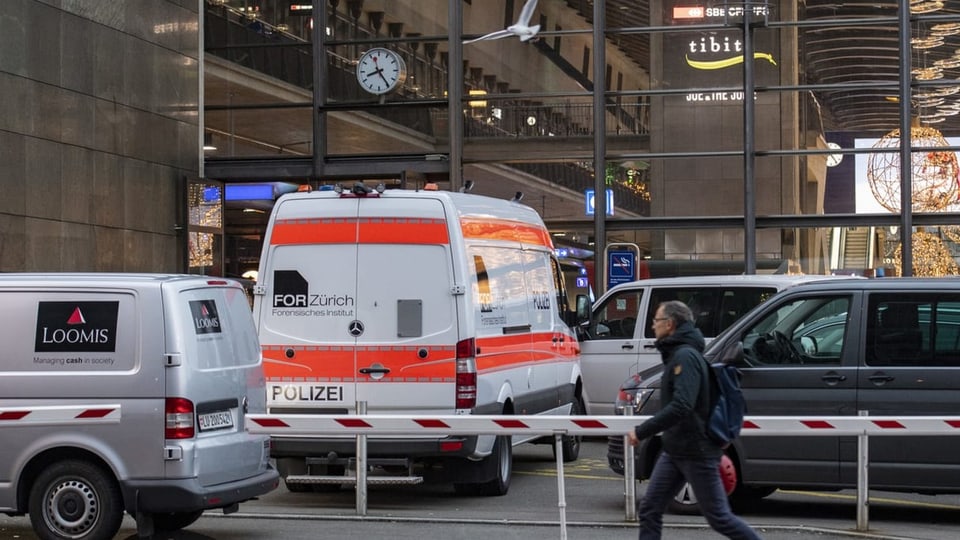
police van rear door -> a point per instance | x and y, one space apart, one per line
405 322
309 306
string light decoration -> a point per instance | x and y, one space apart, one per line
631 178
935 173
931 257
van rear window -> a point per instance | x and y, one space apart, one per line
221 332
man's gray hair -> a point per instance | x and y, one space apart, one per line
676 310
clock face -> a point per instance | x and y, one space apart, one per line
834 159
380 71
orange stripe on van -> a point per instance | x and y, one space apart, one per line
403 231
336 363
364 231
502 229
314 231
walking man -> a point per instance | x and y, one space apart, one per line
689 455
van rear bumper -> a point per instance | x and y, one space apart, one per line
414 448
187 495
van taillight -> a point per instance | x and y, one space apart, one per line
179 415
466 374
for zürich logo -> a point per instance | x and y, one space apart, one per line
355 328
76 327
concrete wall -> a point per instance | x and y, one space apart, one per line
98 128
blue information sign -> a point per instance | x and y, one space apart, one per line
591 203
621 267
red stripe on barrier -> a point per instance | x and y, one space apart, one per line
271 422
94 413
352 423
432 423
817 424
592 424
13 415
889 424
749 425
511 424
953 423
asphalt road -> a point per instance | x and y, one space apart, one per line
595 509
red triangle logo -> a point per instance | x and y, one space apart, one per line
204 312
76 317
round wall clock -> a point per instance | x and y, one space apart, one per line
380 71
833 159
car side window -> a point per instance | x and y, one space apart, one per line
714 308
616 318
807 331
702 301
913 330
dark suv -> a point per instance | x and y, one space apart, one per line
885 346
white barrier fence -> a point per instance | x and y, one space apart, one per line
361 426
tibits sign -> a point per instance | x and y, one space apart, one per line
715 58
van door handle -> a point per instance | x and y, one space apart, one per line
369 370
833 378
649 346
881 378
627 346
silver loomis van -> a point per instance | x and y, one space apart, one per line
127 393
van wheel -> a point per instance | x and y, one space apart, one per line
502 459
571 443
503 456
75 499
174 521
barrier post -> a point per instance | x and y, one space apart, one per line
361 471
863 496
629 475
561 491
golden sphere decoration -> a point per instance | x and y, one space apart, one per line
931 258
935 172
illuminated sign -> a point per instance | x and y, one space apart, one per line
591 208
300 9
688 12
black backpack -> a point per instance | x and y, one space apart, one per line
729 406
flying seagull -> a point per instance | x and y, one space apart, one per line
521 29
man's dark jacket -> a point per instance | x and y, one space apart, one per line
684 396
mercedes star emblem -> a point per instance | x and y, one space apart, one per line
355 328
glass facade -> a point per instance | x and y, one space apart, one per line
764 132
750 131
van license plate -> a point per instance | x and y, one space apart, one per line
216 420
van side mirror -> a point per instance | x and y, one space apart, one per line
583 308
732 354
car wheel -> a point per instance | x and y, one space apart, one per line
685 502
174 521
571 443
75 499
